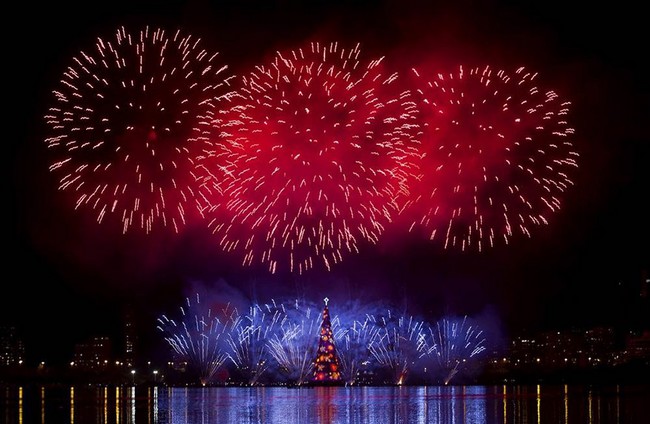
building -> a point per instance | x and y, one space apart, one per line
569 348
94 354
130 338
637 346
12 348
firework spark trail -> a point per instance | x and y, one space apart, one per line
308 162
453 342
294 346
398 343
353 347
249 341
198 337
353 329
295 359
125 115
497 156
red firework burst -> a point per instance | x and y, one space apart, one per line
125 112
309 161
497 156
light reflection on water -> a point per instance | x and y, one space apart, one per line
382 405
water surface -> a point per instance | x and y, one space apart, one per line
505 404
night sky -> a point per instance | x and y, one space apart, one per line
67 278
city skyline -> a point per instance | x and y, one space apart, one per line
72 278
283 343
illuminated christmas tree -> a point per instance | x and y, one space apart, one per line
326 366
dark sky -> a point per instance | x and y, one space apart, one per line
66 278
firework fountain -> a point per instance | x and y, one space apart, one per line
454 342
248 340
198 337
294 345
277 343
353 347
397 344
